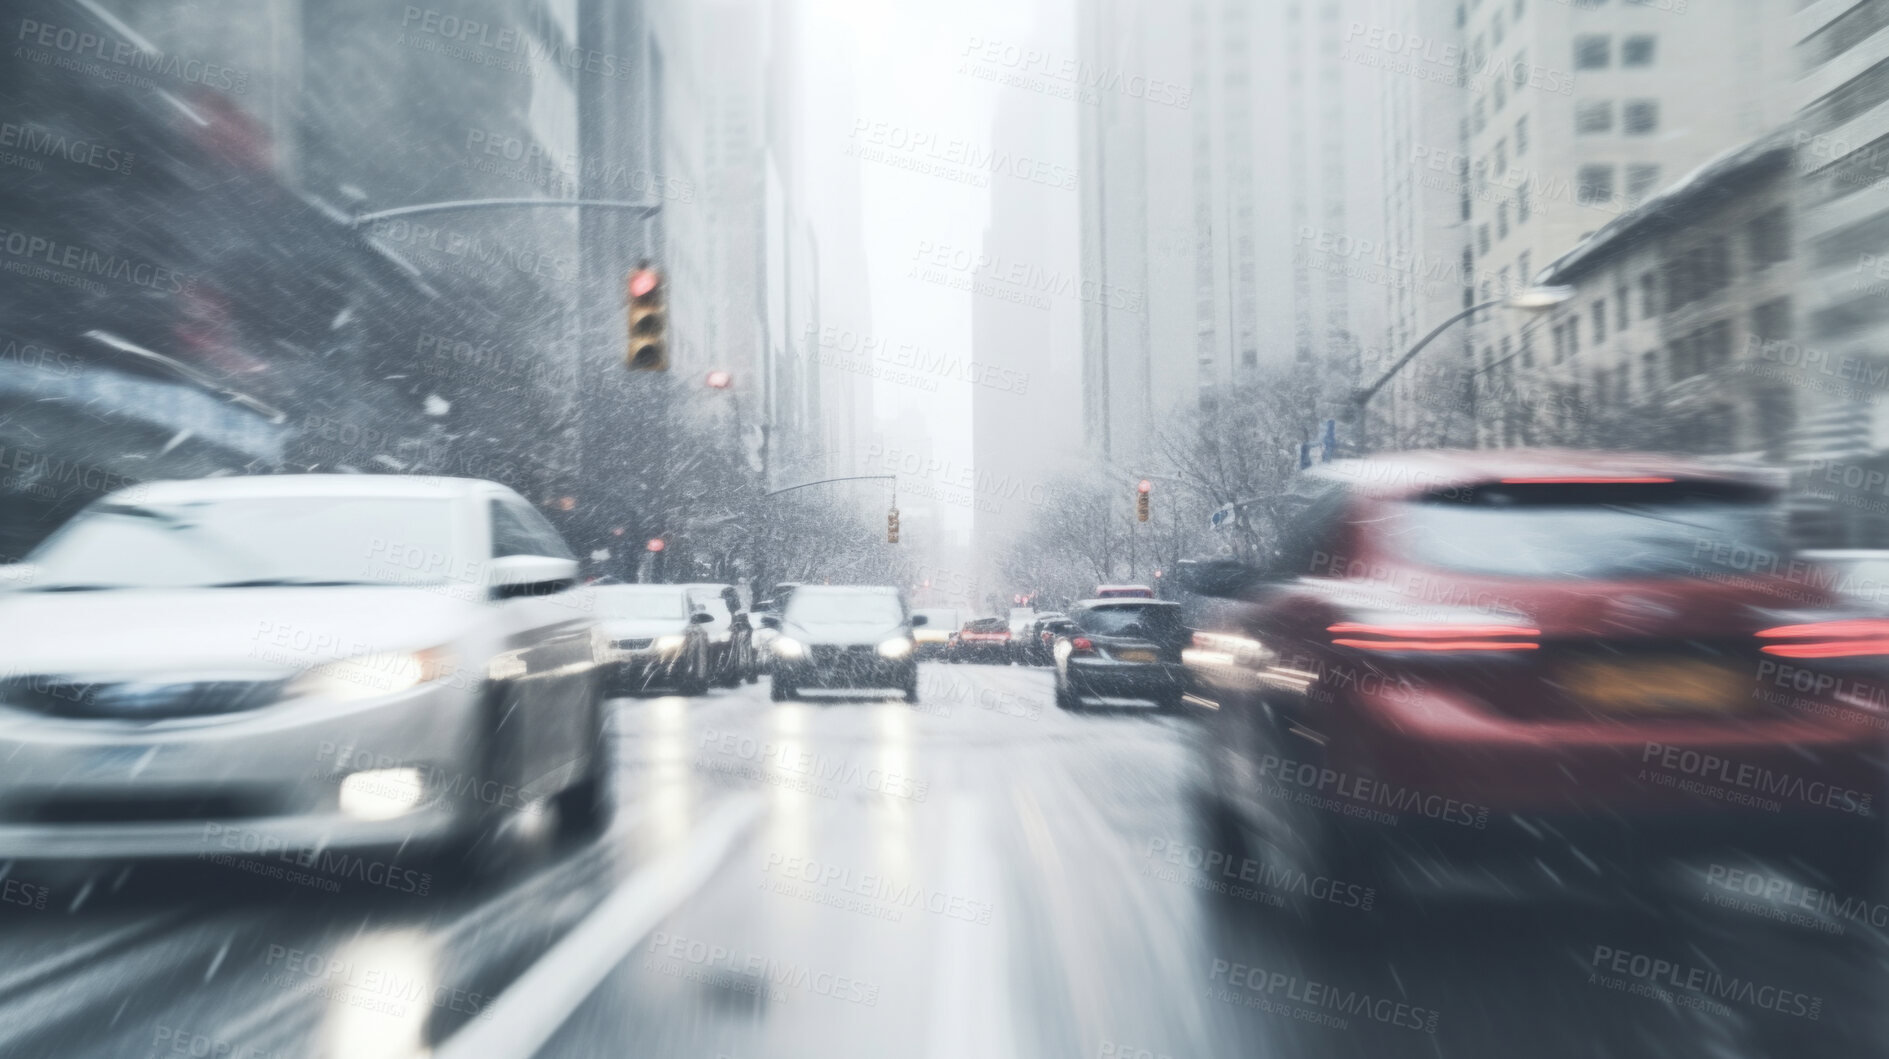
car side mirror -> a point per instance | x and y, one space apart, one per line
920 619
769 621
512 576
701 617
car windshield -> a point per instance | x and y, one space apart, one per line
809 608
641 604
1622 537
249 542
987 625
1151 621
1862 578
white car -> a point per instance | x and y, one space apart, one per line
255 666
652 635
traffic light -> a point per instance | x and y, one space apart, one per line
649 321
1141 500
892 526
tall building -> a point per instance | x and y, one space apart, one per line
1842 139
1025 361
1426 219
1231 204
1576 113
1137 280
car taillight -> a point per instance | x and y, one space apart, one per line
1848 638
1082 643
1470 637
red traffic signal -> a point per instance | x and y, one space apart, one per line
655 544
1145 487
649 321
719 380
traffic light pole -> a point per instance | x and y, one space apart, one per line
362 219
824 481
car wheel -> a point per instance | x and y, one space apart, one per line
586 807
696 683
911 687
479 849
1065 699
779 690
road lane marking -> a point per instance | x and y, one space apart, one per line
528 1014
970 1010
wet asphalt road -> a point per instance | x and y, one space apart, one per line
981 875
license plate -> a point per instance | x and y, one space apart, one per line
1658 685
1135 654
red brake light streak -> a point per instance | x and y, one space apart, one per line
1433 637
1850 638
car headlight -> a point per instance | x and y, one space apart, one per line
897 647
788 647
670 644
371 675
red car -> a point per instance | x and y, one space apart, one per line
982 640
1574 662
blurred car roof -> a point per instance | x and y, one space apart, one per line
283 485
1415 473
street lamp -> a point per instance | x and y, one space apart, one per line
1532 299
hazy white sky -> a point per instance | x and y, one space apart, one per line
907 83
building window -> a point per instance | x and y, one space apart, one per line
1649 371
1637 50
1600 320
1521 203
1521 136
1697 272
1496 28
1518 70
1771 322
1639 117
1501 158
1504 354
1559 334
1476 117
1469 264
1769 237
1476 53
1502 220
1522 273
1621 317
1482 239
1528 348
1574 335
1249 358
1594 185
1501 93
1518 8
1649 295
1640 180
1593 51
1593 116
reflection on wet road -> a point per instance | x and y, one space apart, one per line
978 875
